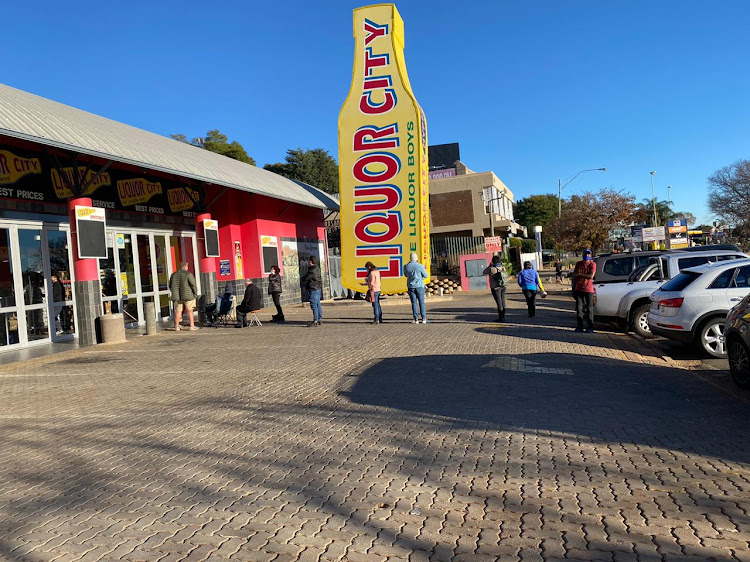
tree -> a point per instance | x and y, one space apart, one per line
216 141
314 167
729 193
644 213
587 219
535 210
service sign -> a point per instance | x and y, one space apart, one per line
383 168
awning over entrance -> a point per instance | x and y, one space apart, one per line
29 117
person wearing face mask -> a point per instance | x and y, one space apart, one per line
583 292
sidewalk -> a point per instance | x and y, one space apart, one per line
458 440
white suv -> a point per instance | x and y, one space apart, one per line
693 306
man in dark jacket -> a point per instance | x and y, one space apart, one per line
498 285
313 282
184 292
250 303
62 322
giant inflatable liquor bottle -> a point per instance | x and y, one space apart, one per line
382 157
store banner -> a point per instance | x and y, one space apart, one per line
383 167
28 179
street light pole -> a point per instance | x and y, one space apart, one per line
560 187
653 198
669 194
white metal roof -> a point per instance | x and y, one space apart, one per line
33 118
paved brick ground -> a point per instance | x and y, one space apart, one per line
457 440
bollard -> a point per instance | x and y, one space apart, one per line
149 311
112 328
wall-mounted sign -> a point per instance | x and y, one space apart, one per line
211 237
224 268
91 230
13 168
653 234
442 174
120 241
383 167
270 248
493 244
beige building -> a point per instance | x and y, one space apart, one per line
467 203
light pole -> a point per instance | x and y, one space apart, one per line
560 187
653 198
669 194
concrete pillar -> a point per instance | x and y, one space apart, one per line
113 328
87 288
149 311
207 269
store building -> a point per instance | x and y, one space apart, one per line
157 194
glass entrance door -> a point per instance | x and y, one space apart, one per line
33 282
61 312
10 335
137 270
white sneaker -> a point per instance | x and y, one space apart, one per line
415 321
424 320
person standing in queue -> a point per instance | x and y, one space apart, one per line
274 289
313 282
530 284
184 293
373 286
583 292
415 274
61 315
498 284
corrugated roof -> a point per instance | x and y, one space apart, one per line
30 117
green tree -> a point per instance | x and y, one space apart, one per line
314 167
535 210
216 141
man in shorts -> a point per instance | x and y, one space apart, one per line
184 293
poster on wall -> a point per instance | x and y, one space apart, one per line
290 265
383 171
270 248
238 271
224 269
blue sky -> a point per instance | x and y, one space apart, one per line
534 90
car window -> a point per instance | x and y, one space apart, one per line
742 280
643 260
731 257
619 266
681 281
693 261
723 280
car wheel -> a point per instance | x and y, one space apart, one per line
639 321
739 362
711 337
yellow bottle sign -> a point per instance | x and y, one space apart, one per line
383 169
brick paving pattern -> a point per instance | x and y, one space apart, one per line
457 440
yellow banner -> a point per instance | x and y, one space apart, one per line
62 191
383 169
13 168
137 191
181 199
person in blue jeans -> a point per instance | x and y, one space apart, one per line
415 274
314 285
530 283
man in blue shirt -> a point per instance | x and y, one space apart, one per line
415 274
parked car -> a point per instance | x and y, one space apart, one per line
616 268
613 268
692 308
630 302
737 336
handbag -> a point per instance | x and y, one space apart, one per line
368 296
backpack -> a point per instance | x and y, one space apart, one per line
501 277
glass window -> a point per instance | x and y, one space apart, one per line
7 287
63 319
59 263
681 281
175 248
107 274
723 280
619 266
144 262
8 328
127 266
36 324
162 274
643 260
30 248
731 257
742 280
694 261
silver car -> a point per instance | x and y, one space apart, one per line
692 307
